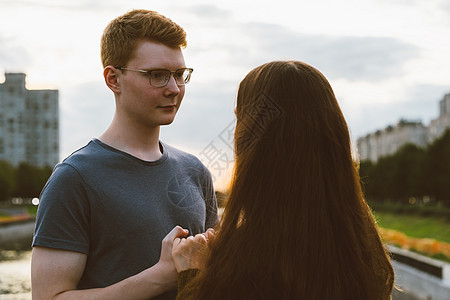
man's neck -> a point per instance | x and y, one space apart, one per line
142 143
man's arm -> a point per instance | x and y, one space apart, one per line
56 273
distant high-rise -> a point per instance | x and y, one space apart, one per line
439 125
387 141
29 123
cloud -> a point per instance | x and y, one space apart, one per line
85 112
362 58
423 101
444 6
352 58
13 58
420 103
80 5
208 12
241 45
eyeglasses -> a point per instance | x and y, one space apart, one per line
160 77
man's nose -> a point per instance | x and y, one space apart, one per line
172 85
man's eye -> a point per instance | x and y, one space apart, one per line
179 74
158 74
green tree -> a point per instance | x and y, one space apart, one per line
7 180
385 174
366 169
395 177
438 169
410 172
30 180
407 180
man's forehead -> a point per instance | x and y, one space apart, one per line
149 54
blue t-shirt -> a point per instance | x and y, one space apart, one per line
117 208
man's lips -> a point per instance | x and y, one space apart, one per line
168 106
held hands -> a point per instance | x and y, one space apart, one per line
189 253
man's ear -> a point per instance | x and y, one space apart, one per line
112 78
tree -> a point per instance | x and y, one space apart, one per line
30 180
366 169
397 177
438 168
408 177
7 181
410 172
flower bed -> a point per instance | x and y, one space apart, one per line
427 246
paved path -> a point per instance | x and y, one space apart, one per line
396 295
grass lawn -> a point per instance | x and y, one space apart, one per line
415 226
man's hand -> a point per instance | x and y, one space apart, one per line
166 263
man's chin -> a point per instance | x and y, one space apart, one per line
168 122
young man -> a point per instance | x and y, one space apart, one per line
107 207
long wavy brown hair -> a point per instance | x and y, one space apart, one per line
296 225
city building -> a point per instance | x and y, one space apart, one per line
387 141
29 123
439 125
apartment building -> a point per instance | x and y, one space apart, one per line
439 125
387 141
29 123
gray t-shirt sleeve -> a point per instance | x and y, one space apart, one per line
62 219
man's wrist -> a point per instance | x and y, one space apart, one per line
162 276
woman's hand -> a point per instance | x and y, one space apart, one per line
189 253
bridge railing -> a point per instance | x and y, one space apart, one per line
421 276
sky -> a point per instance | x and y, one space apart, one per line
385 59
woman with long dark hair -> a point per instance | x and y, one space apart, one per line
296 225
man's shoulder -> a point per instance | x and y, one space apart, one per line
184 159
90 153
85 159
177 154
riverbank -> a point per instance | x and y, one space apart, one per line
16 227
17 234
15 274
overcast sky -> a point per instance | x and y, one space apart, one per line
385 59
